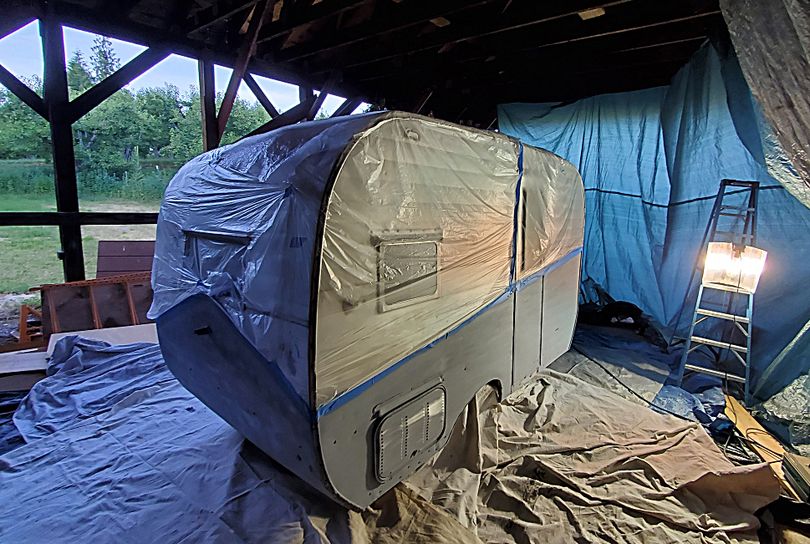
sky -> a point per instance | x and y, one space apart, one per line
21 54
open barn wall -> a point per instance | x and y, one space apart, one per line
452 59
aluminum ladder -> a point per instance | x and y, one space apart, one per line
733 220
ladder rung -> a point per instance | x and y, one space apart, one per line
722 315
729 288
730 233
718 344
738 208
716 373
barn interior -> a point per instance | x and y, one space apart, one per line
669 419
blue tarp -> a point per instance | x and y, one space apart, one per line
116 450
652 162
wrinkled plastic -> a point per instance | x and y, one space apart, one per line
772 40
553 198
418 235
442 199
238 224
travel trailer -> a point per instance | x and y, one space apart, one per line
339 290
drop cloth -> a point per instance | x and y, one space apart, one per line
117 451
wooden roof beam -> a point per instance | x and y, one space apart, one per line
257 91
649 17
388 17
347 107
289 117
324 10
218 12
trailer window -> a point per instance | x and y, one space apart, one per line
407 273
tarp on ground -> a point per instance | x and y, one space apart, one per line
117 451
652 162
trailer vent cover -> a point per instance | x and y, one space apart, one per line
406 435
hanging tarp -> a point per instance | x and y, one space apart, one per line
652 162
772 41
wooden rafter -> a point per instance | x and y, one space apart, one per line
23 92
215 14
317 13
95 95
348 106
293 115
389 17
240 67
260 96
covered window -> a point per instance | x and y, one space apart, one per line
407 272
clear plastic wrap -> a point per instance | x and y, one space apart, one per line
419 234
239 223
419 237
553 199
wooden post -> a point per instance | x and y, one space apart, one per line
208 107
64 161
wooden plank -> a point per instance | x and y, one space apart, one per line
126 247
24 219
766 446
115 266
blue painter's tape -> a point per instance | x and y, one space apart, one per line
339 401
528 280
513 260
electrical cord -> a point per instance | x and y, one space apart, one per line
650 403
746 439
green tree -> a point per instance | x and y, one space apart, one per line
186 138
103 60
161 109
23 133
108 136
78 76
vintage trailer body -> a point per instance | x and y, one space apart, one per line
338 291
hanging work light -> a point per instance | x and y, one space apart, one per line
728 265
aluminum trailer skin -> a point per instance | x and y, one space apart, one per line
338 291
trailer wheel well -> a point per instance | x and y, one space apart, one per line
497 385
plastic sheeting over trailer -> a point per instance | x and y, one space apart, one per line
363 278
652 161
117 451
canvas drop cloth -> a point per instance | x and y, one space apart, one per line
117 451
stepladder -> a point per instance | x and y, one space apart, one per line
740 325
721 324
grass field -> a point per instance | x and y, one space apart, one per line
28 254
